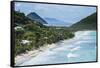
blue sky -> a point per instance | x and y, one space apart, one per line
68 14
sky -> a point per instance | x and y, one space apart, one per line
65 14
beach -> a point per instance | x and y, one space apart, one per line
72 49
19 59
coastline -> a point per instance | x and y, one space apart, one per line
19 59
33 53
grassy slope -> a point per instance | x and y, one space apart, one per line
88 23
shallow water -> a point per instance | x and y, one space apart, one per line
81 48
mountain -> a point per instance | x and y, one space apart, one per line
88 23
21 19
35 33
55 22
36 17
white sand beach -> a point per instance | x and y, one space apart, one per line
20 59
30 54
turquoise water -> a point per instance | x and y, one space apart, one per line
81 48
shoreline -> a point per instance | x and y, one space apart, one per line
19 59
33 53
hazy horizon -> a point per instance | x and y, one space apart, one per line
58 15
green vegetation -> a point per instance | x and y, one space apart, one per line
35 33
32 34
88 23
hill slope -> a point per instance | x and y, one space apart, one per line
31 34
88 23
34 16
20 19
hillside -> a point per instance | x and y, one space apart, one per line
32 34
21 19
88 23
35 16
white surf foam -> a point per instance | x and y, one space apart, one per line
75 48
71 55
47 55
80 34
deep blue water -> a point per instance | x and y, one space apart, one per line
81 48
